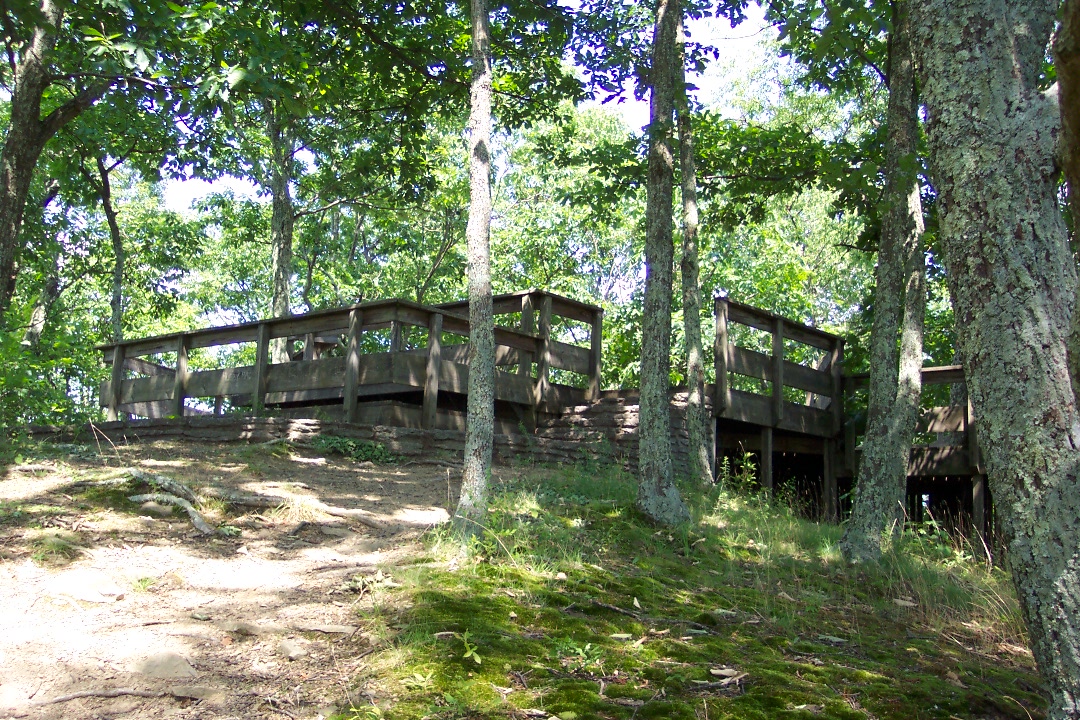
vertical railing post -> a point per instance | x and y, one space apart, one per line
544 352
262 359
596 349
829 489
352 364
722 401
978 512
180 379
836 362
434 365
778 371
528 325
116 383
395 336
309 346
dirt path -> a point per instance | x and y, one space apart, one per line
98 593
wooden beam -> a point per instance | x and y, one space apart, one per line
395 336
777 377
830 502
262 359
352 363
431 378
978 512
596 349
766 475
180 378
544 359
720 358
309 347
116 383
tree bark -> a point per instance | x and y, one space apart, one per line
899 309
657 497
992 139
26 137
282 219
50 290
697 417
480 419
116 303
1067 67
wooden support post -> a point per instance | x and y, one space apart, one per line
829 489
218 402
766 473
431 380
544 353
395 336
778 371
352 364
528 325
978 512
262 358
180 379
116 383
596 341
722 401
309 346
836 403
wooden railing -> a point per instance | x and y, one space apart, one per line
353 374
822 412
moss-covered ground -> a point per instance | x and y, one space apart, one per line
571 606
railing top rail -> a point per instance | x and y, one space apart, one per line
935 375
561 305
764 320
319 320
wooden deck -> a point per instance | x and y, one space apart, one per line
422 352
780 391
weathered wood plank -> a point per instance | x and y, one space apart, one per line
306 375
262 359
596 351
145 367
227 382
180 377
764 320
942 419
528 326
777 378
721 357
543 357
116 383
352 363
568 357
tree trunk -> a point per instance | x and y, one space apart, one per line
992 140
117 302
697 417
26 137
899 309
480 421
50 289
282 147
1067 66
658 498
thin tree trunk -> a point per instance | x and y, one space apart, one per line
899 309
117 302
26 137
992 138
657 497
697 418
50 289
1067 67
480 421
282 219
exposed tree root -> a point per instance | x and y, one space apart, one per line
196 518
109 693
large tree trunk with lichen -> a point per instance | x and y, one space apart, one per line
26 137
480 419
899 307
992 138
282 218
1067 67
697 415
657 497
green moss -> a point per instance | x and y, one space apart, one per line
575 606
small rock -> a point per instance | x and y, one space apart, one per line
200 616
366 464
155 508
560 576
209 696
166 665
240 627
292 649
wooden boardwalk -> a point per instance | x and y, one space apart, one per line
780 390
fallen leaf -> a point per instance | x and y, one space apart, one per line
954 679
621 636
904 603
783 595
724 671
815 709
832 639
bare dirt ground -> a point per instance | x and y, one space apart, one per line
98 593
